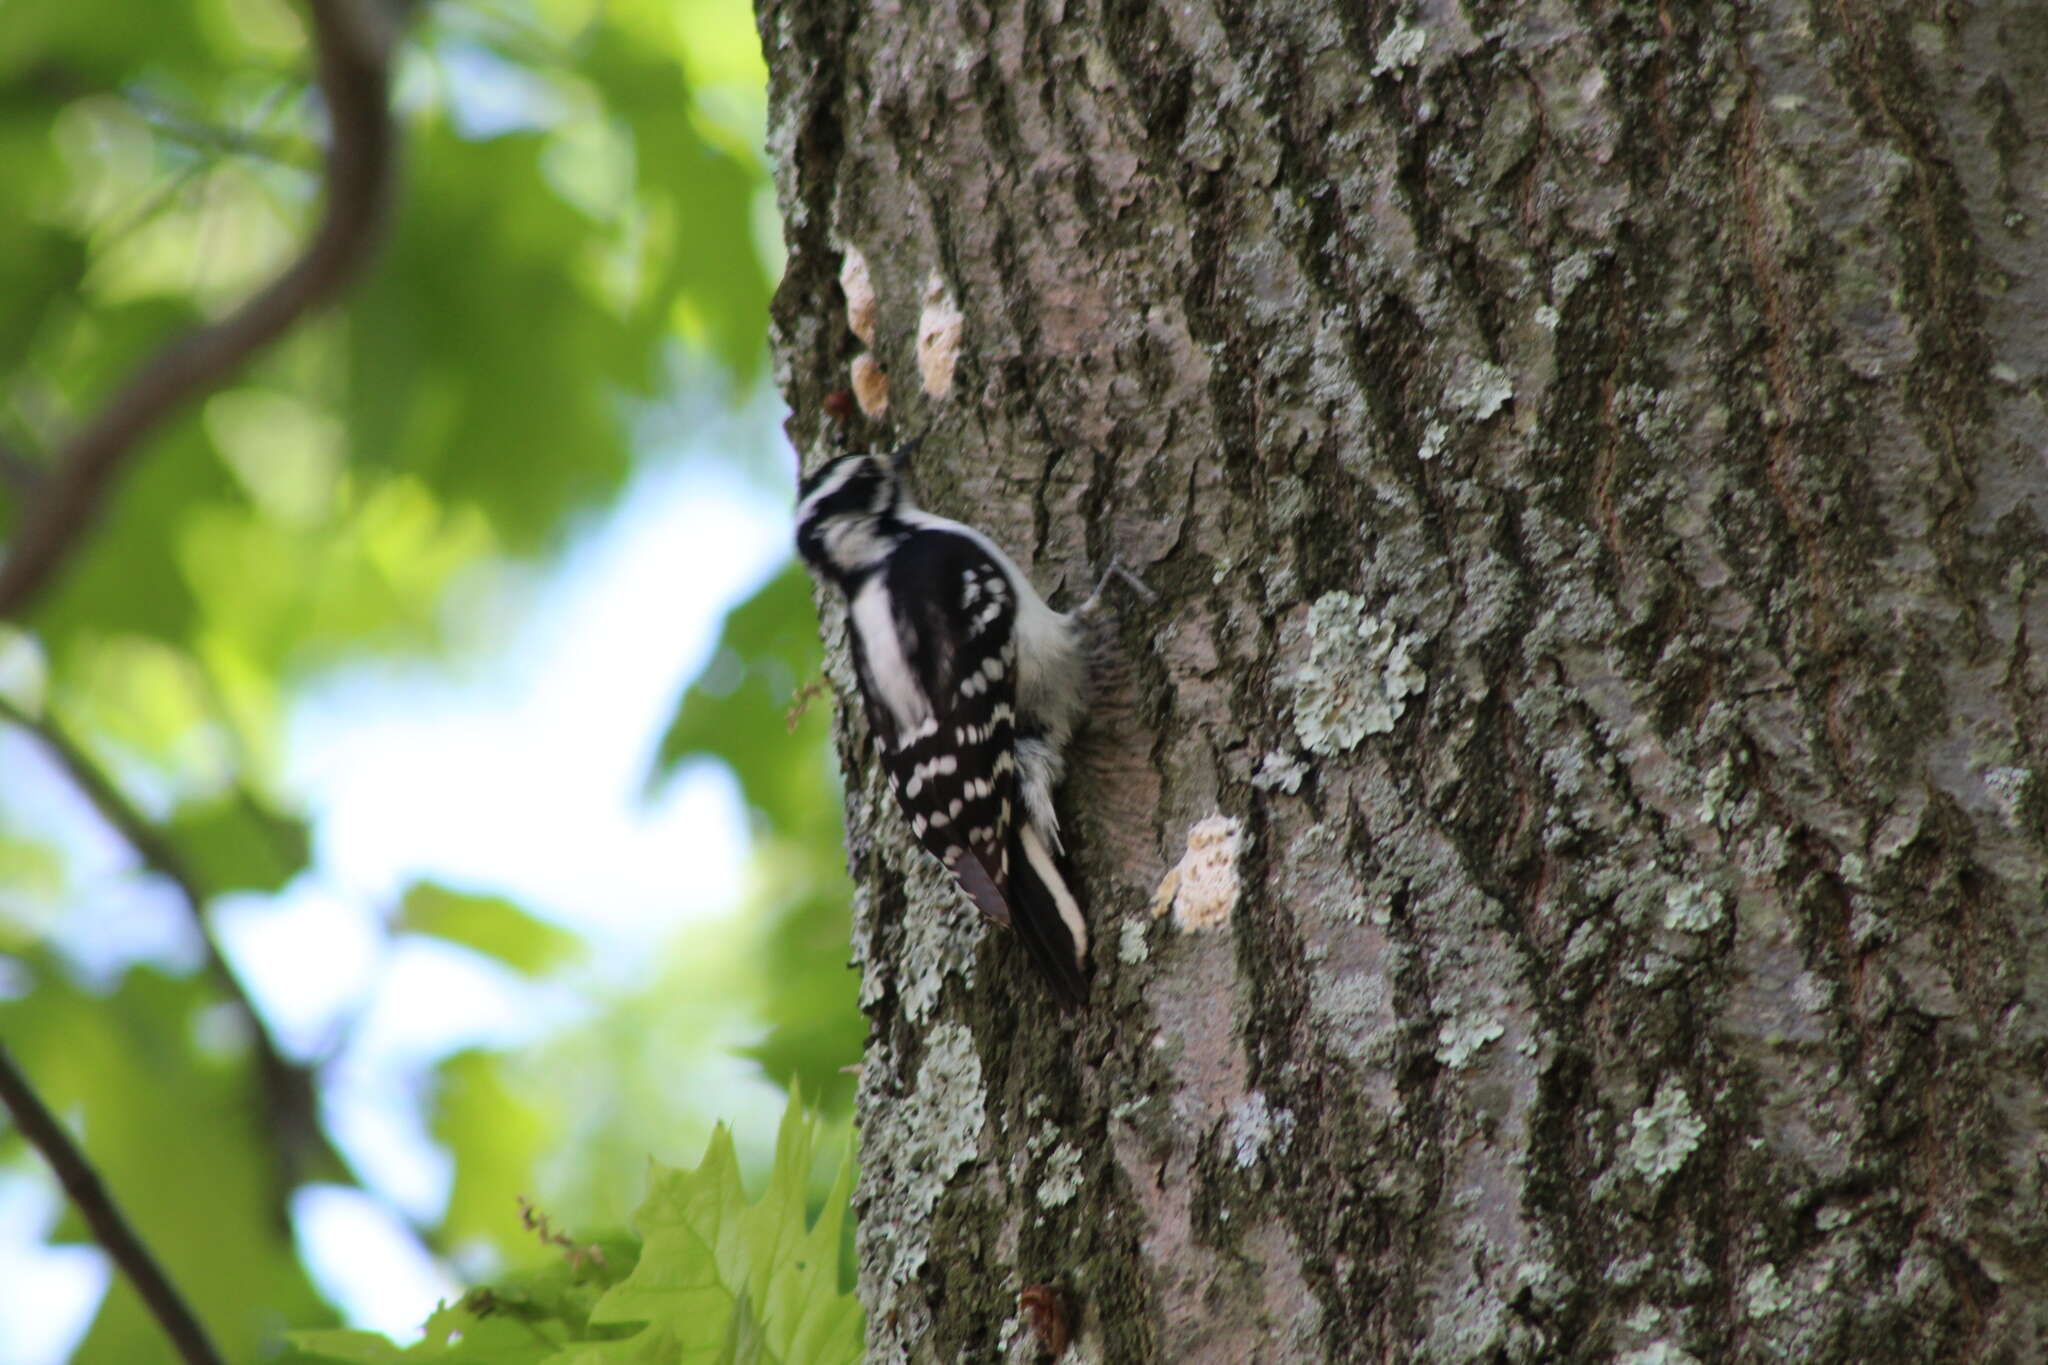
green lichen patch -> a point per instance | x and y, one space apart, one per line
1664 1133
1062 1177
1658 1353
910 1159
1281 772
1764 1294
1460 1037
1693 910
1359 675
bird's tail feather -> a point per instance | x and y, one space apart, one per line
1046 913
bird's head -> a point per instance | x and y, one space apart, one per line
847 513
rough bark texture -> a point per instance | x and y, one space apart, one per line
1591 457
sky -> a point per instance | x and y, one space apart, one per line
520 770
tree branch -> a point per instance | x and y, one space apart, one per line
353 39
112 1230
291 1101
19 472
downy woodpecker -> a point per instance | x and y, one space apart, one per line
972 687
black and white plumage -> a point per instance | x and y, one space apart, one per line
972 687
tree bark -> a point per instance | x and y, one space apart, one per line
1591 460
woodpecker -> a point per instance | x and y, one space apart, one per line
972 686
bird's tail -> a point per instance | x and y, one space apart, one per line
1046 913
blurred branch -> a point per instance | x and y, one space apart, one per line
354 39
291 1102
141 836
113 1232
19 472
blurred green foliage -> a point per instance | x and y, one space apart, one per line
490 925
168 1113
715 1278
234 842
740 711
584 229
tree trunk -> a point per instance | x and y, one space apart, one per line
1591 461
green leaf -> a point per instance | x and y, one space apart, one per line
235 843
521 1320
39 270
342 1347
565 1288
96 38
456 1335
501 1135
490 925
704 265
126 579
815 1027
736 708
720 1278
744 1344
31 871
480 346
